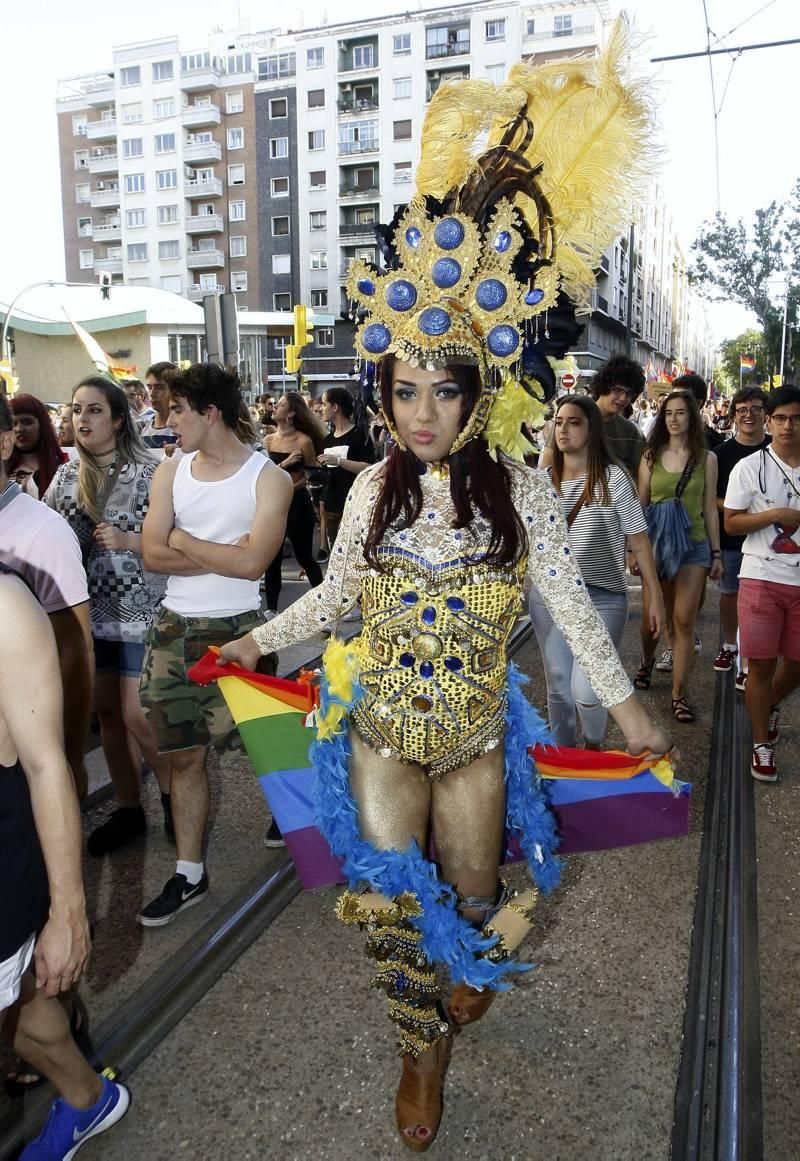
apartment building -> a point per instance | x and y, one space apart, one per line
158 174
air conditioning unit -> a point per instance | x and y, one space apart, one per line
101 185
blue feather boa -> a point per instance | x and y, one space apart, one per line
447 937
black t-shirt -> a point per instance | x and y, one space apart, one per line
728 456
359 449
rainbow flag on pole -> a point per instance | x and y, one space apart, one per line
747 362
602 799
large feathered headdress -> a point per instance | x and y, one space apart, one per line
519 189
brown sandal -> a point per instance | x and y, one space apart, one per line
644 675
418 1106
681 711
468 1004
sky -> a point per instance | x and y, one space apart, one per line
46 39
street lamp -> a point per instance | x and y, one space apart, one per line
33 285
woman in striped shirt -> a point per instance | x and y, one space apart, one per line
601 508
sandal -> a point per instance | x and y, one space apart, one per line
16 1085
418 1106
644 675
681 711
468 1004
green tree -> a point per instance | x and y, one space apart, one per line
749 343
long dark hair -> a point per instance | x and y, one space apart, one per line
598 454
127 441
305 421
476 481
659 436
48 452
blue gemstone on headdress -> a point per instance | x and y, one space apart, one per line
401 294
502 241
449 233
434 321
429 614
534 296
366 285
426 669
375 338
503 340
490 294
445 273
409 598
453 664
413 237
406 660
455 604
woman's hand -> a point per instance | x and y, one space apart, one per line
326 460
715 572
292 462
111 538
651 742
633 564
243 651
657 614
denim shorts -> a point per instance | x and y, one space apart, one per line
122 657
699 553
731 567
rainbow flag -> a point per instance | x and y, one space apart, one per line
747 362
601 799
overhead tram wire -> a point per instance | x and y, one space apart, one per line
713 103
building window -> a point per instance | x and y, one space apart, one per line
280 226
133 147
364 56
235 175
316 98
170 249
358 136
317 179
282 301
167 215
324 336
562 25
282 64
402 171
79 123
402 87
163 108
137 251
281 264
315 58
81 158
132 114
86 259
134 183
167 179
84 227
319 259
316 139
239 280
83 193
401 44
318 219
279 187
134 219
234 102
402 130
236 138
163 70
496 73
530 27
130 76
319 298
278 147
496 29
236 211
172 283
165 143
278 108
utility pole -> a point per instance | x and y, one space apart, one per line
631 273
783 332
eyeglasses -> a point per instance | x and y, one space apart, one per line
749 410
620 391
785 420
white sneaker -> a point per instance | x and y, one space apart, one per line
664 663
698 644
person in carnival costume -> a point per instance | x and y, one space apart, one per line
423 727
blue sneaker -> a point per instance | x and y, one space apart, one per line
67 1128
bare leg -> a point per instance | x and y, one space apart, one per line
786 680
139 729
759 696
648 641
689 586
729 616
189 801
114 738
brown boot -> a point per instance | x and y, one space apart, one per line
420 1096
468 1004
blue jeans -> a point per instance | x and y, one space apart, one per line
568 691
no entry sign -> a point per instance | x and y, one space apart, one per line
568 381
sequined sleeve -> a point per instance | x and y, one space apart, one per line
554 571
321 608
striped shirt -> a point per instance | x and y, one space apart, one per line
597 536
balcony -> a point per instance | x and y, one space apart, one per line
108 265
104 163
200 116
110 196
356 56
198 293
98 90
204 224
358 191
561 33
108 232
204 259
357 105
198 151
358 230
211 188
353 148
193 80
103 130
446 40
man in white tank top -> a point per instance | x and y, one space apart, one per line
217 518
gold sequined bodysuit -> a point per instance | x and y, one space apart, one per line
432 653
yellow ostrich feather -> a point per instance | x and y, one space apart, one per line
341 667
512 407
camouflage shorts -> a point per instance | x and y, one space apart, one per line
181 713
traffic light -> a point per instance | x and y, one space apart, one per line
293 359
302 335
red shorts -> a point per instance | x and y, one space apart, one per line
769 620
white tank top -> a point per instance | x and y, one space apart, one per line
221 511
